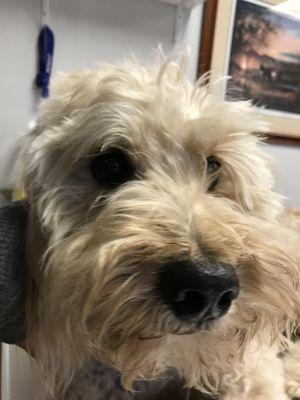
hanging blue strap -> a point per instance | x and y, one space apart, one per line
45 51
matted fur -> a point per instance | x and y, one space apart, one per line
100 252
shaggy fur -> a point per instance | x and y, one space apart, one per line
95 254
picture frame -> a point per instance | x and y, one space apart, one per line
216 57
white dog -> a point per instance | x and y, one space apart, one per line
155 241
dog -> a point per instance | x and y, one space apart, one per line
155 240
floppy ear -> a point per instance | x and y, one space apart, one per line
46 156
32 166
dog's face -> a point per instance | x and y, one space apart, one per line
156 204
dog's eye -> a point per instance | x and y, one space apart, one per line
112 168
213 166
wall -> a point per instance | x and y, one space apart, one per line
287 169
20 376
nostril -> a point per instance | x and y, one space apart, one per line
188 302
225 300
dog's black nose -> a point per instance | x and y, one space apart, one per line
201 291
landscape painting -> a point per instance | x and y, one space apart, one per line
265 57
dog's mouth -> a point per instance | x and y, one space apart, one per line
151 337
183 329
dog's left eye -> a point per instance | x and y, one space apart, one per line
213 166
112 168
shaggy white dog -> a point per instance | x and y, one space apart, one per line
155 241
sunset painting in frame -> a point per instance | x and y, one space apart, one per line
265 57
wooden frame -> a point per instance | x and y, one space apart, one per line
217 27
207 35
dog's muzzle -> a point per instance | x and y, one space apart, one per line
198 292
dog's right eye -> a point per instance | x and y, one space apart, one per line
112 168
213 166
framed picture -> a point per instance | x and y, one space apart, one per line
259 47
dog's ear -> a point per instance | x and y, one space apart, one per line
38 151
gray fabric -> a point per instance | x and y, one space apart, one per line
12 272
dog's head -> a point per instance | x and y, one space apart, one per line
162 246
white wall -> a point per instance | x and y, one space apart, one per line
20 376
287 169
